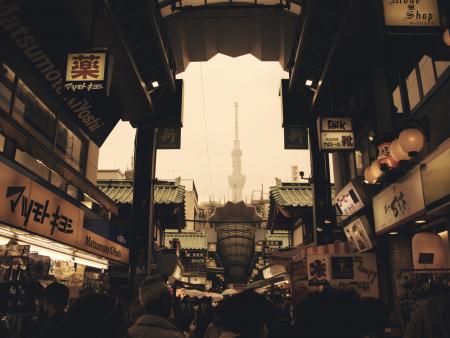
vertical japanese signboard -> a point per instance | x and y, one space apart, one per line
349 200
87 72
296 137
411 13
335 133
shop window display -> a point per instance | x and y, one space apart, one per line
6 87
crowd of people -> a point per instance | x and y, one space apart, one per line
156 314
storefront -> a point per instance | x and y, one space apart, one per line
412 216
43 239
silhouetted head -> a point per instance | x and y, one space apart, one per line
330 314
96 316
155 296
56 296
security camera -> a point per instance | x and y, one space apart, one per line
302 174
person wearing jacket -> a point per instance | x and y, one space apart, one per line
156 300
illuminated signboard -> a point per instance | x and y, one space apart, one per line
411 13
359 234
335 133
349 200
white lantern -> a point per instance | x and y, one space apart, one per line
397 152
411 141
446 37
376 170
368 176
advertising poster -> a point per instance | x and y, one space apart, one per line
319 271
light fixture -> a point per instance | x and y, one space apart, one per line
309 82
393 233
411 141
376 170
397 152
155 84
446 37
421 221
368 176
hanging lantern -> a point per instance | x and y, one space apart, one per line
385 160
376 170
368 176
397 153
411 141
446 37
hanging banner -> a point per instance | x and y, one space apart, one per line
411 13
335 133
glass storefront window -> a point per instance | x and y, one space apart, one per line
28 107
6 87
427 74
69 144
441 67
413 89
397 98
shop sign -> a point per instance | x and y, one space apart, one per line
355 272
411 13
296 137
168 138
87 72
318 270
335 134
359 234
96 244
399 201
348 201
35 50
28 205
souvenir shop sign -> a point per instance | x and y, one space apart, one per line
335 133
28 205
91 242
349 200
399 201
87 72
359 234
411 13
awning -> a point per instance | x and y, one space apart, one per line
169 199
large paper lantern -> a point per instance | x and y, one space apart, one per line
397 152
376 170
368 176
411 140
446 37
385 160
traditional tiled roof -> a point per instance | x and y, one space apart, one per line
293 194
188 240
121 191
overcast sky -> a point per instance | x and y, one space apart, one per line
211 88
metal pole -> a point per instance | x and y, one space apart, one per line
142 216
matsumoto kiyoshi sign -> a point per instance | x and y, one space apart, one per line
30 41
91 242
28 205
411 13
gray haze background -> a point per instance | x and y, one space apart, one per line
211 88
